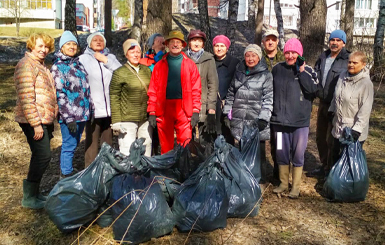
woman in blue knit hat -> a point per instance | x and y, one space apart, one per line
73 97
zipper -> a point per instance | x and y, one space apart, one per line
104 91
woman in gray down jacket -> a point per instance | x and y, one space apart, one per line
100 65
352 102
250 98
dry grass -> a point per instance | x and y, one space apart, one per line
308 220
10 31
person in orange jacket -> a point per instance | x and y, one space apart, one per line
174 94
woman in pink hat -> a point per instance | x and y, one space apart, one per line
295 85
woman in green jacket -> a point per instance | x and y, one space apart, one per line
128 94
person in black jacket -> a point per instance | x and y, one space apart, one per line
226 65
250 98
295 85
329 66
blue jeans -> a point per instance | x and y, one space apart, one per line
69 144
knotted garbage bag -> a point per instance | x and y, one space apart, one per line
74 201
348 180
202 201
250 149
192 155
142 213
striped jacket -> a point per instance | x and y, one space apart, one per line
36 94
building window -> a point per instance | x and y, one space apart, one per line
363 4
39 4
364 22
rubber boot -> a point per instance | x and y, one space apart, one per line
284 178
40 196
30 193
297 175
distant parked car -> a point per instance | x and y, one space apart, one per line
83 28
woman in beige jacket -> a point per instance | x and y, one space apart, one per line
352 103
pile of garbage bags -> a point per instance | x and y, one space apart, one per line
348 180
146 197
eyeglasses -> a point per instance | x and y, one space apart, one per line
175 42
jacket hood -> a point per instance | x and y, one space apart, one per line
363 74
89 51
59 56
205 56
260 67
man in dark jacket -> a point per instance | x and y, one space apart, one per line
272 56
328 67
226 66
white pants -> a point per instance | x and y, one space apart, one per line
134 131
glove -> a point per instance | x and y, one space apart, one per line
330 116
355 135
227 122
210 123
194 119
118 128
152 121
262 124
72 127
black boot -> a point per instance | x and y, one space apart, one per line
30 193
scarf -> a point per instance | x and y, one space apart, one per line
195 55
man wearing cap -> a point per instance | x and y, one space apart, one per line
209 83
99 64
226 66
174 94
329 66
128 93
156 44
271 53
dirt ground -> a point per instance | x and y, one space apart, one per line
308 220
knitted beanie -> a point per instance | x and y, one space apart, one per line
129 43
294 45
222 39
66 37
89 38
151 39
254 48
338 34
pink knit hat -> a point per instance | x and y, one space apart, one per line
222 39
294 45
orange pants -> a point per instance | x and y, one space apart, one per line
174 118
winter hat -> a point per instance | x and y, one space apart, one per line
338 34
197 33
151 39
129 43
222 39
66 37
293 44
89 38
270 32
253 48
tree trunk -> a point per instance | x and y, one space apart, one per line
70 17
259 22
107 22
251 15
136 29
159 18
281 31
313 27
205 23
378 47
17 22
342 17
349 24
232 22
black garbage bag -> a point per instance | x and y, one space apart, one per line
243 189
202 201
190 158
148 214
74 201
105 219
250 149
348 180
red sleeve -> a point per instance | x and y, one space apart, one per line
196 87
152 89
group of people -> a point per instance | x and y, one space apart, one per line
193 95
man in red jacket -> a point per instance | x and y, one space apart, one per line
174 94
